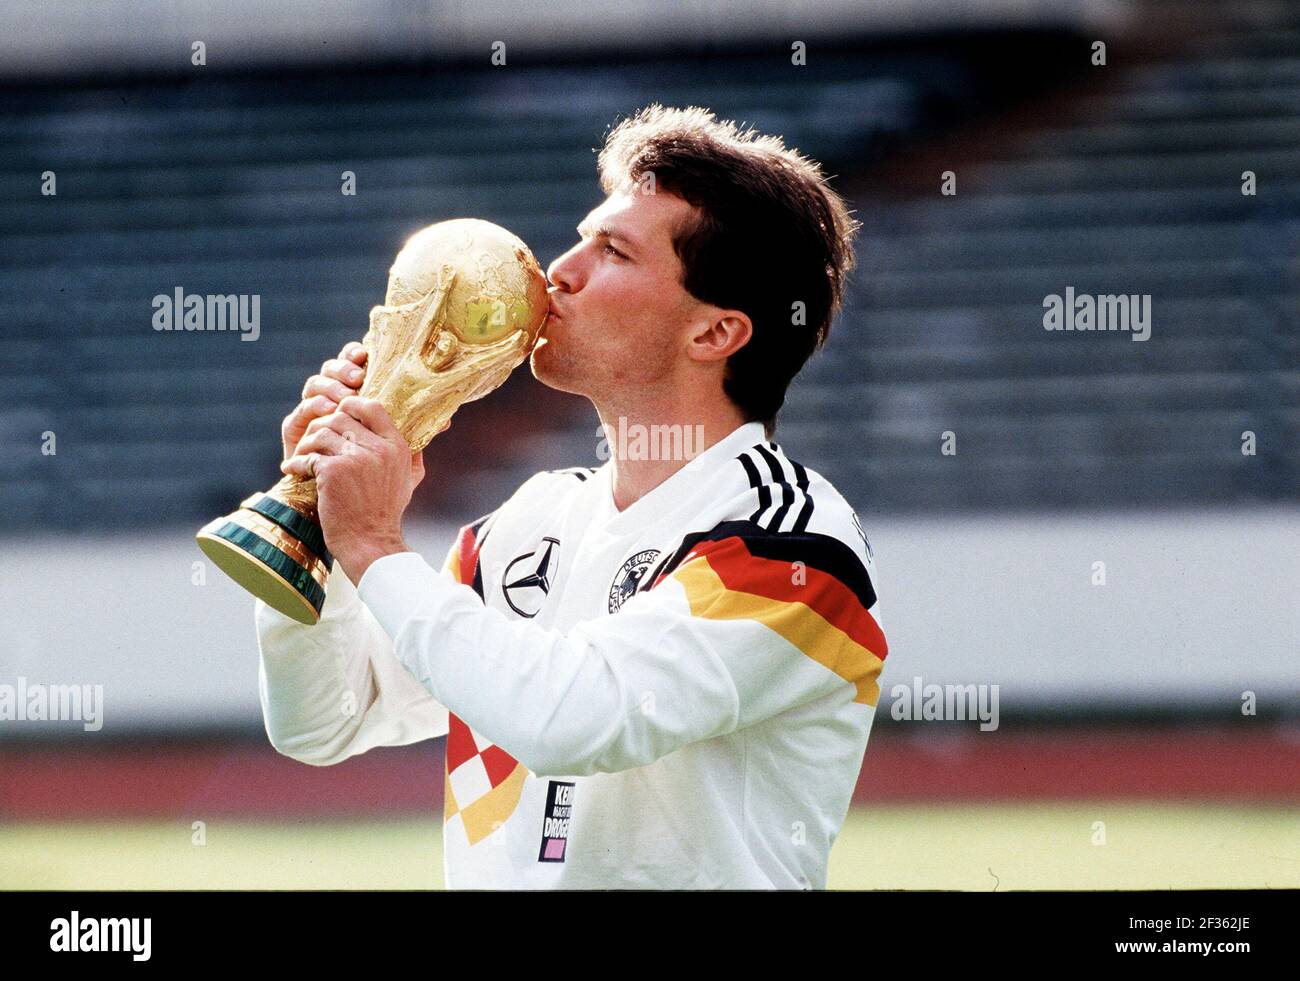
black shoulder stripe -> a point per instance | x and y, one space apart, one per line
582 473
801 482
778 478
801 479
755 481
822 552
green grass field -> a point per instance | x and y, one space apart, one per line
1041 846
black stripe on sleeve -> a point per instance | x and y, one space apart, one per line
787 492
801 478
756 481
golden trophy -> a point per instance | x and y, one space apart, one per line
466 302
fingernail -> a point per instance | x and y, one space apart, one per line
354 372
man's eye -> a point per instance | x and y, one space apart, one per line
613 251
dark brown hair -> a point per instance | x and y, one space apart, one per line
767 233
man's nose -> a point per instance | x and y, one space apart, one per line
562 272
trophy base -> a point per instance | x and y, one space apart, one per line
273 551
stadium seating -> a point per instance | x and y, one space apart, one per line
232 185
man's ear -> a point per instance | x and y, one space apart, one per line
722 335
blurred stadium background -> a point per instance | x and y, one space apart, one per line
1121 706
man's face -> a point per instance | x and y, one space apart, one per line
620 315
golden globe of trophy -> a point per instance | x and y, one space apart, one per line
465 304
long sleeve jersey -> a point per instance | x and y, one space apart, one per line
675 695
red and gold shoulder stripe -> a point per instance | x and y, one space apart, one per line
810 589
462 558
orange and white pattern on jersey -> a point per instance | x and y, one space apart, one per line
483 782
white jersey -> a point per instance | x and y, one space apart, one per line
677 695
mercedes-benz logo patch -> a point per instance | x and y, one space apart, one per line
527 581
629 577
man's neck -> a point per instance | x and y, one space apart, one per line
646 449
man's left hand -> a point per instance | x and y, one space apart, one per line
365 473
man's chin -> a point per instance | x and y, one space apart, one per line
539 360
546 370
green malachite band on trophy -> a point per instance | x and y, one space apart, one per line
294 574
295 523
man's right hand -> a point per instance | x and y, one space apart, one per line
338 378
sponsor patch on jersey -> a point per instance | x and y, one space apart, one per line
528 577
629 577
555 826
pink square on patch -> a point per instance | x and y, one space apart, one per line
555 848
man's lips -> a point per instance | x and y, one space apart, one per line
554 310
552 315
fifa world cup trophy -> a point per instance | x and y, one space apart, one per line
465 304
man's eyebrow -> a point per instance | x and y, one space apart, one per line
605 231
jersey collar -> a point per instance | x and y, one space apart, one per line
677 489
